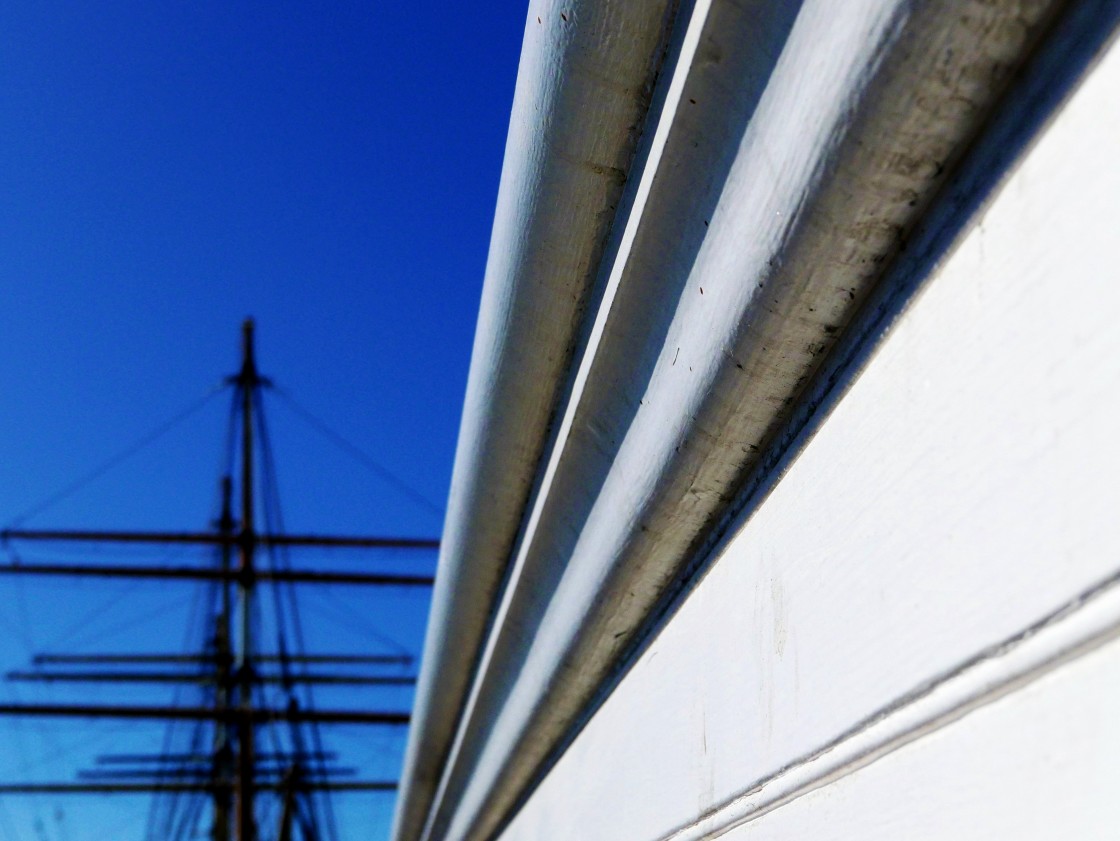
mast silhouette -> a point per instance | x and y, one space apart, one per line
234 771
248 381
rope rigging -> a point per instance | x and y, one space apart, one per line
357 453
117 459
209 763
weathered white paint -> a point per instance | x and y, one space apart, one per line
942 540
584 84
777 187
1040 765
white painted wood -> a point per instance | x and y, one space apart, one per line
583 87
963 490
1040 765
702 342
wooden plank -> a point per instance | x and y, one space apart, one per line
707 335
583 88
1040 765
962 491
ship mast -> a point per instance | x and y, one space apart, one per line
234 771
247 381
223 661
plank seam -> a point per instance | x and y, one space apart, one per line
1076 628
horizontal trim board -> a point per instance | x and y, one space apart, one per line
1037 765
584 83
961 490
671 418
1074 630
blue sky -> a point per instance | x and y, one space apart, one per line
167 169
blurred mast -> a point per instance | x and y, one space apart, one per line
233 773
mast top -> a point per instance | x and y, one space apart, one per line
248 376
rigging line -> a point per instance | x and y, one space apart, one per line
299 747
273 501
123 455
190 799
96 636
194 802
278 558
95 613
166 807
171 803
360 455
274 524
344 616
101 735
307 823
174 811
202 600
231 436
201 604
159 804
222 598
204 615
71 748
266 812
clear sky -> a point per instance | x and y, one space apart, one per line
168 169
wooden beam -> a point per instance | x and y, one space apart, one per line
177 787
306 576
217 538
169 713
207 678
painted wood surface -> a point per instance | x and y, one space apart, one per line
583 87
961 497
821 155
1037 766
